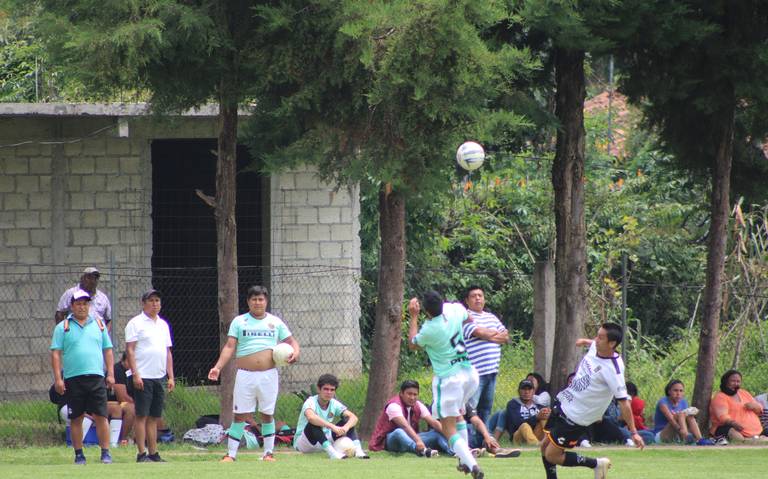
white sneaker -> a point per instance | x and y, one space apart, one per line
630 443
690 411
585 443
603 464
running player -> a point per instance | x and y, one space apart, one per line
599 378
251 338
455 379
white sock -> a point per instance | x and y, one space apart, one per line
269 443
86 426
463 431
461 449
232 446
358 448
329 449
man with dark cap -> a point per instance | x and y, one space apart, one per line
148 347
99 305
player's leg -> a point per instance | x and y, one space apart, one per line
129 416
562 434
266 396
313 439
352 434
244 404
96 405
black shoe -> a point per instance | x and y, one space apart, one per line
477 473
143 457
80 459
156 457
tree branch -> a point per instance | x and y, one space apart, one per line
208 200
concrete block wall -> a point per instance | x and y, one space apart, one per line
86 201
315 251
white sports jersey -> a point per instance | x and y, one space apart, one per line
598 380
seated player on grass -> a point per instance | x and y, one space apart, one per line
323 419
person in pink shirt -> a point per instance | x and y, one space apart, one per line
734 413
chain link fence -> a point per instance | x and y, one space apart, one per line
331 317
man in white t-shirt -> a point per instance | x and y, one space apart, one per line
148 347
598 380
100 307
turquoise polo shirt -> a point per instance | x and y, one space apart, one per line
82 347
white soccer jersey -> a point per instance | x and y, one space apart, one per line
598 380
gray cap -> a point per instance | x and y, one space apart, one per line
149 293
91 270
525 384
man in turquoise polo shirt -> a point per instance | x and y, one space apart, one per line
81 351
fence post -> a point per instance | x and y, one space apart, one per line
543 317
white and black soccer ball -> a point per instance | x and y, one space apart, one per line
281 353
470 155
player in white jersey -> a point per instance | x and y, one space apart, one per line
598 380
252 336
455 379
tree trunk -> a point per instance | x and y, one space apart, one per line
387 333
713 294
568 183
226 243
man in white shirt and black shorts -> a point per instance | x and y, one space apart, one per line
599 379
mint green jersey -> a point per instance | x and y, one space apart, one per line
254 335
332 414
443 339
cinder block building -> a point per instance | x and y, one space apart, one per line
113 186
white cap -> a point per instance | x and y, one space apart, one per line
80 294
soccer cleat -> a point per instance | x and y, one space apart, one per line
463 468
155 457
721 442
268 457
362 455
478 452
106 457
80 460
427 452
143 457
601 470
227 458
585 443
504 452
477 473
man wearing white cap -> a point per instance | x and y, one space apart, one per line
99 304
81 351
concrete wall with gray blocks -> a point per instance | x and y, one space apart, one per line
71 198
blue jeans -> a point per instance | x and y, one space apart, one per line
497 422
399 441
482 401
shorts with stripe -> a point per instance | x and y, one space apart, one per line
450 394
255 388
561 431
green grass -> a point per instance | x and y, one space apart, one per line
185 462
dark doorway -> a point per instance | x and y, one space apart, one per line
184 246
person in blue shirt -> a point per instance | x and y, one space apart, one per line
674 420
81 352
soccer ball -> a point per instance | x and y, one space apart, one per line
281 353
470 155
344 446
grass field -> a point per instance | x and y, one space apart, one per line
188 463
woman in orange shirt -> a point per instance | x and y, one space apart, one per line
734 413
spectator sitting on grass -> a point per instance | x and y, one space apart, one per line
638 413
541 390
525 419
674 420
734 413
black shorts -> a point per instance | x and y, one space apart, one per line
561 431
150 400
87 393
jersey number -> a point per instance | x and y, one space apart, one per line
457 342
